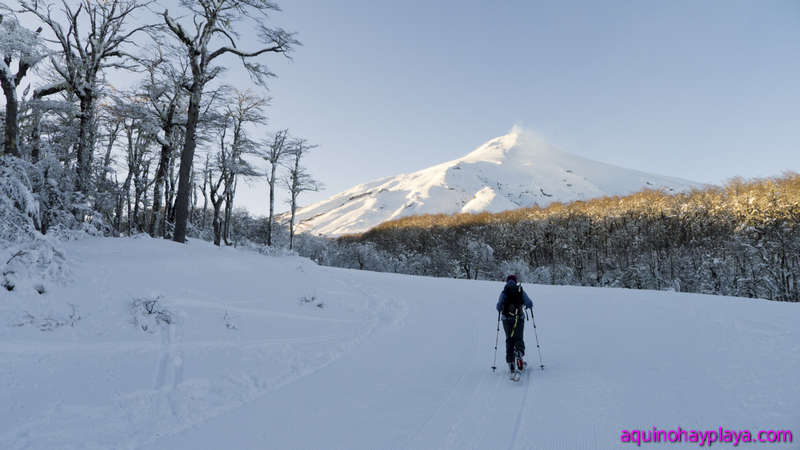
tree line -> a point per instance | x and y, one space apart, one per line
125 160
742 239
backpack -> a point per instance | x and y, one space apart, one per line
512 306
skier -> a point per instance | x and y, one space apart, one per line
510 305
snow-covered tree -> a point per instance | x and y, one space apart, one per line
139 129
298 180
84 55
245 109
163 89
209 33
23 47
277 149
221 167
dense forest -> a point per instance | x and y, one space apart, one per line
742 239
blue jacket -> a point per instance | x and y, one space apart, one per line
525 299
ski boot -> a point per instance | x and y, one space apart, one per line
521 364
513 373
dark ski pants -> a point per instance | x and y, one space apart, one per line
514 336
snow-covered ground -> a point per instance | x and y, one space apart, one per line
242 350
508 172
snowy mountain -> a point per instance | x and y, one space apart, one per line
156 345
508 172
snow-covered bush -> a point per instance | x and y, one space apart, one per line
30 266
149 314
48 322
19 208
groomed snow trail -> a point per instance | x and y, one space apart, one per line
421 382
387 362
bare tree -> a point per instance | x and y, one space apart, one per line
138 132
211 35
109 131
246 108
204 190
163 90
112 129
223 167
277 151
86 55
298 180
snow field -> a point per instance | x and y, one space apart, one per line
248 359
107 383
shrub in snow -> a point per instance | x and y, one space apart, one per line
49 322
19 208
149 314
30 266
311 300
229 321
39 199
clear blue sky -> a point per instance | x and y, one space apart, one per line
704 90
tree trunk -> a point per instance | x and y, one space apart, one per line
192 197
169 195
126 192
137 194
187 157
118 212
109 147
154 228
205 195
217 204
85 143
271 204
10 144
229 195
291 222
36 131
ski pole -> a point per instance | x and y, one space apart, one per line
496 340
541 364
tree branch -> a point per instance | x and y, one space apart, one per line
279 48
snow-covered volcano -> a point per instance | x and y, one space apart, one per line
508 172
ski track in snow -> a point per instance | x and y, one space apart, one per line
382 305
449 398
389 310
522 405
388 361
173 389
